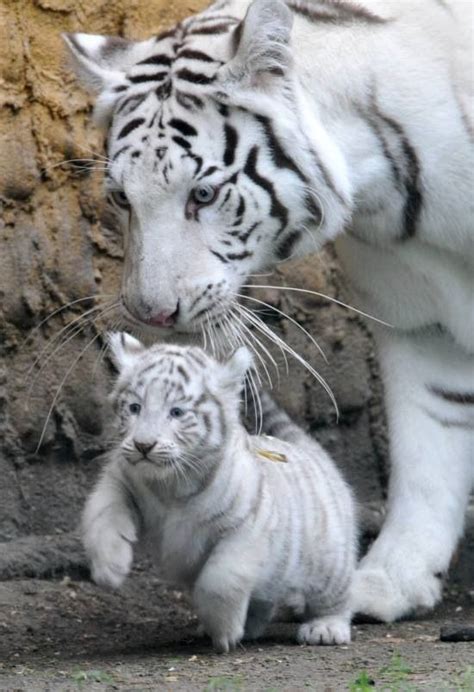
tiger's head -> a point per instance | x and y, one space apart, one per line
216 165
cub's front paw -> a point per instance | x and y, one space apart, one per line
329 630
111 560
386 597
223 643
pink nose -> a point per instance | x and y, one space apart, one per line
163 319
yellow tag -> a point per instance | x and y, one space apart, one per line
272 456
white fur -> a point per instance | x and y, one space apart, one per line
415 70
249 537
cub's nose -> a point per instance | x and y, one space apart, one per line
144 447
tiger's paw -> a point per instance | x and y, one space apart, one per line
378 594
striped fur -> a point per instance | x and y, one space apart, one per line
298 122
253 540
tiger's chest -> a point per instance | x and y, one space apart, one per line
413 285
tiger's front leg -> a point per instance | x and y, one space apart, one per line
429 390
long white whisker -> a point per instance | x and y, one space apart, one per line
291 319
326 297
259 324
65 307
58 390
250 342
276 339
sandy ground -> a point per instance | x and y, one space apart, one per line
71 635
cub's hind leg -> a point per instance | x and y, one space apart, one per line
222 592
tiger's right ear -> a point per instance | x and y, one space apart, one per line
124 349
101 63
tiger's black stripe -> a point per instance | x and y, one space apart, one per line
330 11
285 248
239 255
185 99
231 142
155 77
221 28
181 142
195 55
130 126
158 59
414 197
121 151
463 398
133 101
194 77
277 209
221 257
280 157
246 234
185 128
209 171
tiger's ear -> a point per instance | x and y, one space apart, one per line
262 49
124 349
236 368
101 63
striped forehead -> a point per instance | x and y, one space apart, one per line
174 373
172 78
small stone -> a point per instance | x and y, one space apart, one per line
457 633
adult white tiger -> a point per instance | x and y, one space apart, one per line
229 137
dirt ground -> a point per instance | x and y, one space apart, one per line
70 635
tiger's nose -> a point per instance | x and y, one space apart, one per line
164 318
144 447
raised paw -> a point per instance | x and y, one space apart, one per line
111 560
329 630
386 597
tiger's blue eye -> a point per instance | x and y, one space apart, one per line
135 409
204 194
176 412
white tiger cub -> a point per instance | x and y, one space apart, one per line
251 539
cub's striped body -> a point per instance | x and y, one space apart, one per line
259 130
252 539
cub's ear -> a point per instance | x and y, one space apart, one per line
124 349
236 368
262 49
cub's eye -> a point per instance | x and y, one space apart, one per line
204 194
176 412
120 199
135 409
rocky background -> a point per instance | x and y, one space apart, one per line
60 258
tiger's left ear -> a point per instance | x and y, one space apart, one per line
236 368
262 50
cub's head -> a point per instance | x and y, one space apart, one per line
175 405
216 167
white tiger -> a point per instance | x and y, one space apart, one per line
250 538
256 130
